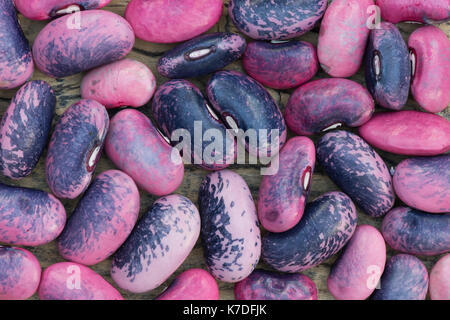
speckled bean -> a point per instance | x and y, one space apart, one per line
122 83
16 60
358 170
20 273
29 217
440 279
357 272
102 220
192 284
324 104
429 11
416 232
75 148
136 147
326 226
408 132
81 41
158 245
73 281
404 278
202 55
230 230
280 65
269 285
388 69
282 196
275 20
25 128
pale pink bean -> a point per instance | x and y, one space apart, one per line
440 279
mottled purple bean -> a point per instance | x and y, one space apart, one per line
25 128
440 279
429 11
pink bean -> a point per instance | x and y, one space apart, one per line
425 11
440 279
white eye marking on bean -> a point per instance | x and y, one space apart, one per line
93 156
70 9
333 126
211 112
232 123
197 54
306 178
279 41
412 58
377 64
163 136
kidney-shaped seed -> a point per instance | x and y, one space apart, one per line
81 41
75 148
230 230
326 226
158 245
29 217
326 104
440 279
25 128
429 11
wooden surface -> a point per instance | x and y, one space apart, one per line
68 92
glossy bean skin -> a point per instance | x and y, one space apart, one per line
102 220
322 104
388 69
281 65
20 272
404 278
47 9
25 128
158 245
249 105
326 226
192 284
230 231
275 20
81 41
202 55
165 21
135 146
410 133
430 51
416 232
356 273
29 217
343 37
269 285
179 105
122 83
16 60
429 11
424 183
440 279
73 281
75 148
282 196
357 170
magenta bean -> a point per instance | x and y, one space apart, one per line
81 41
20 273
325 104
404 278
29 217
280 65
275 20
169 21
282 196
25 128
424 183
192 284
440 279
122 83
430 56
269 285
326 226
408 132
102 220
230 230
416 232
429 11
136 147
16 60
73 281
355 275
158 245
75 148
343 36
